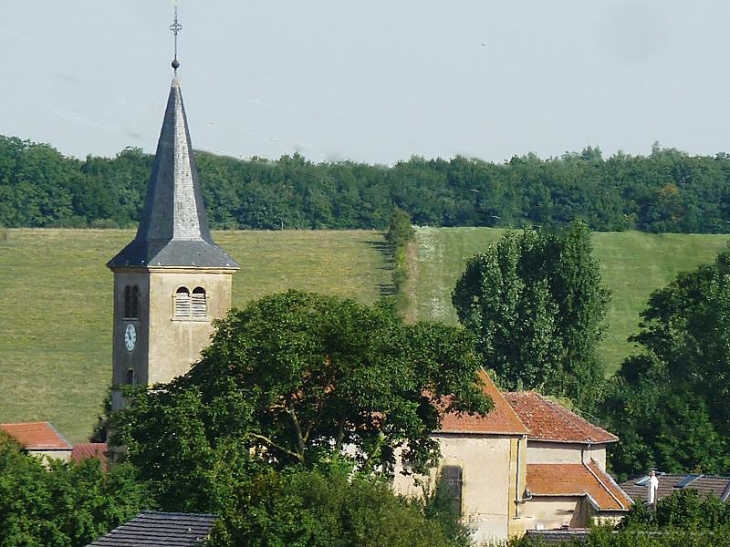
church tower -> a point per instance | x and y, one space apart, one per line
172 280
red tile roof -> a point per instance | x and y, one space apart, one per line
500 420
548 421
577 479
83 451
37 436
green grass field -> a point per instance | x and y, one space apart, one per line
55 346
633 265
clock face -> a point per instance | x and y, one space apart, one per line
130 337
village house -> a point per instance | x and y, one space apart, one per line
40 439
567 482
706 485
154 528
43 440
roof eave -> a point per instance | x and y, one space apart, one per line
564 441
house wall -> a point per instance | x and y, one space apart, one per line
547 452
489 475
63 455
516 525
547 513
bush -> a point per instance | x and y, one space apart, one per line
326 508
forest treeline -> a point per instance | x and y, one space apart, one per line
666 191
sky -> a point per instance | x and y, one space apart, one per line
371 81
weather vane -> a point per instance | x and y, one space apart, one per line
175 28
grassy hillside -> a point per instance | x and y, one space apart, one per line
633 265
55 346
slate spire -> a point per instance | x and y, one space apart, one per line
173 230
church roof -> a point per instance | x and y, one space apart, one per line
173 230
550 422
501 420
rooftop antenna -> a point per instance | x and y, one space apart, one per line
175 28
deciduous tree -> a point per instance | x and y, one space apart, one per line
536 303
297 379
326 507
59 503
670 402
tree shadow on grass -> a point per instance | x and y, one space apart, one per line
386 253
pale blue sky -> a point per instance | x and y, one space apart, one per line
374 81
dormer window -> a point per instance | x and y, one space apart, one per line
131 302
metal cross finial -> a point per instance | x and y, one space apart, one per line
175 28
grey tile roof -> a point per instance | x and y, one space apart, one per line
559 536
153 529
173 230
668 484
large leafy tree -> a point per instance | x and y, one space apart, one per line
670 403
58 503
536 303
299 379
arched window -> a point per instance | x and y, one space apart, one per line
182 303
130 378
131 302
199 304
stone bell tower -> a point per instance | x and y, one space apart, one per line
172 280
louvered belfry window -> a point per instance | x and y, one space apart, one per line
191 306
182 303
199 304
131 302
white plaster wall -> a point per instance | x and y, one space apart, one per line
488 476
553 512
174 345
546 452
63 455
165 348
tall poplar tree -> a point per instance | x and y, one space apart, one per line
536 303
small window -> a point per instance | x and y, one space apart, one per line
450 487
130 378
199 304
131 302
182 303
